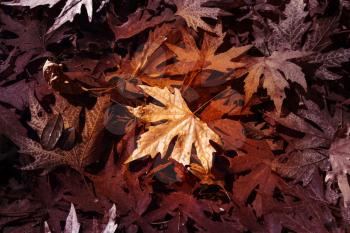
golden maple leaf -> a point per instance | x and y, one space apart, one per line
180 122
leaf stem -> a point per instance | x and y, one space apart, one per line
207 102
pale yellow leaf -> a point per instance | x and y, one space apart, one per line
180 122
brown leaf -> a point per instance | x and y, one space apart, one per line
80 155
277 70
227 102
193 12
191 58
137 22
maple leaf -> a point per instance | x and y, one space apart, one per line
185 208
231 133
332 59
191 58
142 62
279 46
39 116
67 14
340 161
258 160
139 21
288 33
28 45
305 156
9 124
144 65
321 30
181 122
31 3
111 225
193 11
286 38
276 70
17 94
126 184
77 157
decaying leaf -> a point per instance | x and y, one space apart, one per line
288 33
181 122
39 116
77 157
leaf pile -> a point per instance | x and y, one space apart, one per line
174 116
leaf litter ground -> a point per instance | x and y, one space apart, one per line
174 116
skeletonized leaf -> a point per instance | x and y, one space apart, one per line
38 116
93 126
181 122
72 224
77 157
